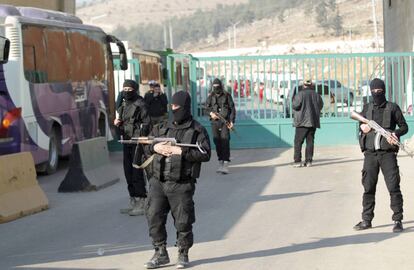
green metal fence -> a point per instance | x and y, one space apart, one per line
263 87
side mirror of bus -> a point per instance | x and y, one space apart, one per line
4 50
122 52
123 61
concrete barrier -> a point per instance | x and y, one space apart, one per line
20 193
89 167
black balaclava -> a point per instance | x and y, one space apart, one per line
219 89
183 113
379 97
130 95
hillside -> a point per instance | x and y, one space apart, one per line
299 29
108 14
287 31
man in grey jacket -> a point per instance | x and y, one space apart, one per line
307 105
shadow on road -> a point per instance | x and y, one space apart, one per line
355 239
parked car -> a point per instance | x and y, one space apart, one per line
277 91
322 89
342 94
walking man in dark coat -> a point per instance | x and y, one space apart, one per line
307 105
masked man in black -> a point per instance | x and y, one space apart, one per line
381 153
133 121
174 171
220 103
157 103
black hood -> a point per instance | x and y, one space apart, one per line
377 97
183 113
217 90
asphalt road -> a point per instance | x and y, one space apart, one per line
264 215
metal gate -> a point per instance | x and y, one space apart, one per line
263 87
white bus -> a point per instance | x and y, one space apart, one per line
57 87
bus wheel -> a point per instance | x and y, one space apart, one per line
53 161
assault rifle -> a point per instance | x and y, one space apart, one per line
227 123
385 133
171 141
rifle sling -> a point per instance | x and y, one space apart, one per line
145 163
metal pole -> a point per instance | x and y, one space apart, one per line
171 35
165 36
234 35
229 38
374 17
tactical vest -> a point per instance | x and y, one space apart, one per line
367 140
386 118
130 114
176 168
220 104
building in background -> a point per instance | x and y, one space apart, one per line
398 25
398 37
68 6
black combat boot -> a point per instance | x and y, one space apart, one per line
398 227
363 225
160 258
182 261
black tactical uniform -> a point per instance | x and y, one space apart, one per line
221 102
157 106
135 123
378 153
172 183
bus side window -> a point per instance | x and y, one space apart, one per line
34 54
97 52
57 55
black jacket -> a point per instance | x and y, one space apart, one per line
134 117
185 167
388 115
157 106
307 105
222 104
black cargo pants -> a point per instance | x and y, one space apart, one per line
177 197
221 138
387 161
134 177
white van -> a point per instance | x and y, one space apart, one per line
277 87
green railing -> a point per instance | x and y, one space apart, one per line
263 87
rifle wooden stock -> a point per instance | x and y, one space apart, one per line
358 117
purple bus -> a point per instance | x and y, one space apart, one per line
57 87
